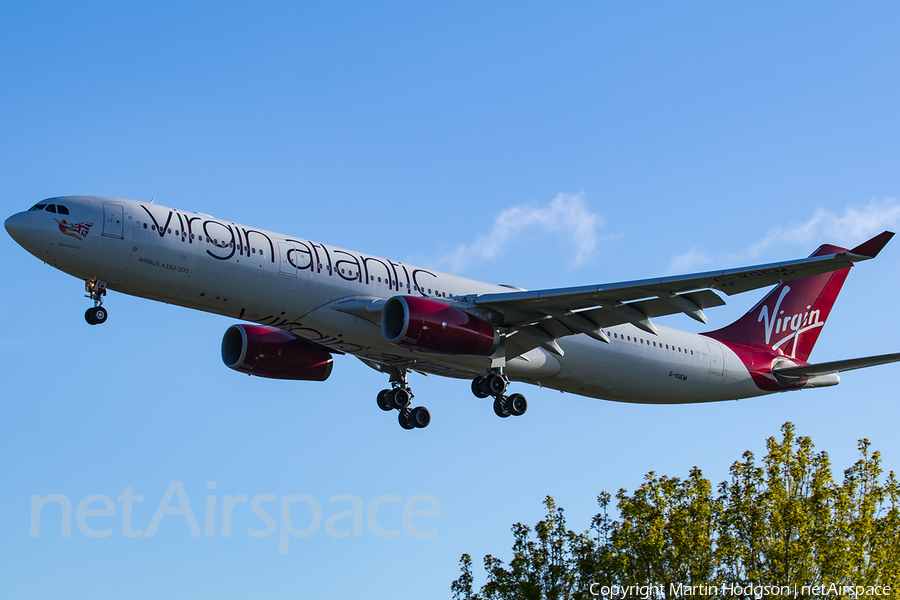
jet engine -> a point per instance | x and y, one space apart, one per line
433 326
270 352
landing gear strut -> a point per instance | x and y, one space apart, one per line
495 384
399 398
95 289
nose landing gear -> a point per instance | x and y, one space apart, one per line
95 289
495 384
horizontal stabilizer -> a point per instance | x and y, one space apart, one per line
837 366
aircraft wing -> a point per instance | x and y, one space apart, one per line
837 366
539 317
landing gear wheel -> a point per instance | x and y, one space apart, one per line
95 289
399 398
404 420
383 402
517 405
478 387
419 417
494 384
500 407
96 315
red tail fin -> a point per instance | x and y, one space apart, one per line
790 318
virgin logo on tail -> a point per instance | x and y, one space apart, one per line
796 323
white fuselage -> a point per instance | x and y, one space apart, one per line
201 262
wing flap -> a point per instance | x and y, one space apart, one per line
660 307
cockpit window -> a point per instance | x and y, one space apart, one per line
38 207
62 209
51 208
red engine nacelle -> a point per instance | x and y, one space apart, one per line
432 326
270 352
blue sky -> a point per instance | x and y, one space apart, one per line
521 143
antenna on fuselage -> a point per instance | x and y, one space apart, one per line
151 200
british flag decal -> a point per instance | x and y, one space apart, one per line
76 230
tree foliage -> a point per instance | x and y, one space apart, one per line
781 522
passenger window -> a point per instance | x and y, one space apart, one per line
145 226
62 209
51 208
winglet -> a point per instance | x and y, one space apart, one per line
871 248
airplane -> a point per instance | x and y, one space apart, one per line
302 302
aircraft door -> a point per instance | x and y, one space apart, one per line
716 360
286 266
113 220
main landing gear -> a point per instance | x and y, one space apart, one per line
495 384
95 289
399 398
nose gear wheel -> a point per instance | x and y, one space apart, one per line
95 289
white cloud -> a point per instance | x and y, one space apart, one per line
854 226
692 260
566 216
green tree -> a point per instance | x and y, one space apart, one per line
667 532
542 565
776 524
782 522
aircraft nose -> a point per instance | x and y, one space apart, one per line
17 226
